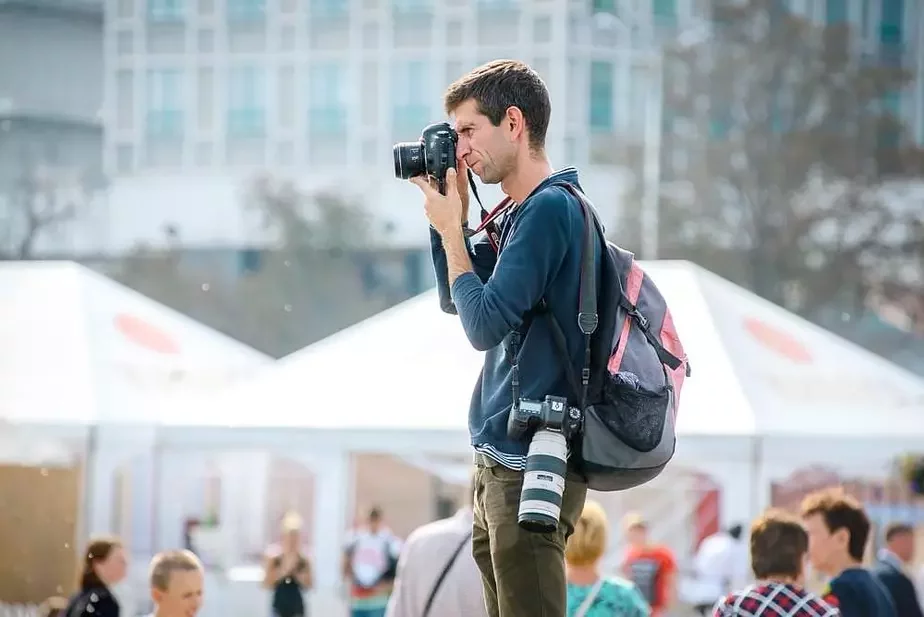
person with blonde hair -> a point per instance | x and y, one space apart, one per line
590 594
288 572
177 581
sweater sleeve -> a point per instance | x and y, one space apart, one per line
483 261
531 258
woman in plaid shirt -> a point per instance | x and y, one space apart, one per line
778 549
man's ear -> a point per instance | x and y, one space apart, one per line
156 595
514 122
843 536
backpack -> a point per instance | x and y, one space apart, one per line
634 369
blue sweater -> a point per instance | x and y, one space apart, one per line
859 594
541 247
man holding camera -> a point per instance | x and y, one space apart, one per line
501 112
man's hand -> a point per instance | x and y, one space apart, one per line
444 211
462 187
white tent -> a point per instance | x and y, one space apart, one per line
86 365
769 394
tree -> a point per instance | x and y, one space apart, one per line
797 164
307 285
37 203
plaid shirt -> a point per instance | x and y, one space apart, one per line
774 600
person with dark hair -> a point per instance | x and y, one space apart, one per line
501 112
370 562
778 545
720 566
103 565
838 530
890 569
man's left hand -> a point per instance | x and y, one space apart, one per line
444 211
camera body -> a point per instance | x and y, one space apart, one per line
433 155
555 423
553 413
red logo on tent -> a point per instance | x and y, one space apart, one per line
778 341
146 335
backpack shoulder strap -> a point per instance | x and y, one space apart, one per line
442 576
587 316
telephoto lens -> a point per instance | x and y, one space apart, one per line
543 482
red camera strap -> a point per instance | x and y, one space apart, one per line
489 219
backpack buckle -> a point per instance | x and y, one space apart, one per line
643 322
588 322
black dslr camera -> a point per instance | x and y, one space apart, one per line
433 155
554 423
553 413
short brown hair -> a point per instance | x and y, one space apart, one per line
778 545
499 85
166 563
97 550
840 511
897 529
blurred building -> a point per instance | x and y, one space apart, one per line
201 96
51 93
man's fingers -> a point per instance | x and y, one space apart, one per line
451 181
424 184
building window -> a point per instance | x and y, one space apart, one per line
410 94
497 5
835 12
165 103
601 96
412 6
246 10
604 6
165 10
329 9
890 26
664 11
326 111
246 102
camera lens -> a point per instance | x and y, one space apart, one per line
409 160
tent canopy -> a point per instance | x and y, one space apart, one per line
78 348
756 370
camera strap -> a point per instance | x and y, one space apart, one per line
489 219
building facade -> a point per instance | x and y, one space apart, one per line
51 94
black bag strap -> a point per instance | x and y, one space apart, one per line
442 576
588 318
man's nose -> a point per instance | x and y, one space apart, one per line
463 147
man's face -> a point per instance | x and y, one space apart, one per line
825 548
637 535
183 596
902 545
488 150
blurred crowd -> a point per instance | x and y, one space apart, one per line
814 563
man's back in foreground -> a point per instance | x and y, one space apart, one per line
426 553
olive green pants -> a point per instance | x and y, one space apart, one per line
523 573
